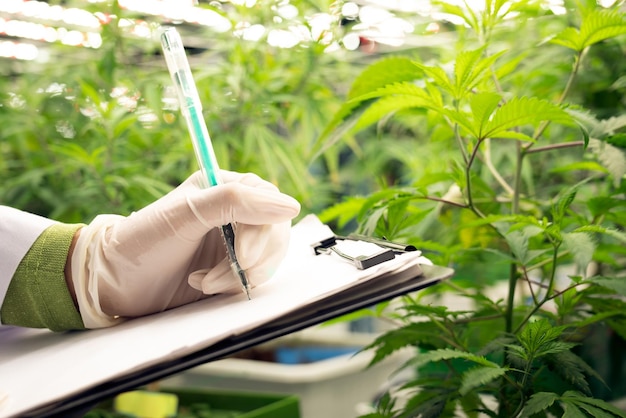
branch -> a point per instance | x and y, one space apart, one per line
551 147
448 202
493 171
468 181
530 285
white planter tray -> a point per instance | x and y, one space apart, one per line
331 388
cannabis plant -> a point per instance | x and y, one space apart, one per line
97 130
505 169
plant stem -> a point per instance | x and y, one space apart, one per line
492 169
556 146
448 202
508 317
555 257
521 152
517 179
530 285
457 136
468 179
549 289
477 319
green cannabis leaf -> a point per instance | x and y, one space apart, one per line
540 338
538 402
382 73
470 69
611 157
596 26
449 354
519 112
582 246
480 376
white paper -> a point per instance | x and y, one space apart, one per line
38 367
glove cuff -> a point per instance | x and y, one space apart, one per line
85 273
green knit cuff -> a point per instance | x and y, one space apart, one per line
37 296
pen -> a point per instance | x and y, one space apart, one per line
191 108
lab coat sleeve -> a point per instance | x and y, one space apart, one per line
18 232
37 295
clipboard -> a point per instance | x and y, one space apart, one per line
69 373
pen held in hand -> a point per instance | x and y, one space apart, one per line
191 108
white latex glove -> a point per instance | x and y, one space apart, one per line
171 252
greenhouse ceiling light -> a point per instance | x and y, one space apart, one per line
40 10
19 50
169 9
40 32
174 11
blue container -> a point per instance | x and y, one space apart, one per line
311 354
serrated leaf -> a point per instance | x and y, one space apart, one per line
582 246
342 212
611 157
464 66
608 126
448 354
438 76
417 333
419 310
595 412
483 105
435 95
538 402
604 304
387 105
426 404
524 111
519 136
518 242
554 347
599 403
564 201
569 38
537 334
598 25
470 70
479 376
570 410
347 115
381 73
460 118
572 369
509 66
405 88
600 317
457 11
614 233
617 284
601 24
579 166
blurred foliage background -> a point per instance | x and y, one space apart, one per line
87 130
97 130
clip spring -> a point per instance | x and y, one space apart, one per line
388 250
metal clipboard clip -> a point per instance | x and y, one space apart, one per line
378 250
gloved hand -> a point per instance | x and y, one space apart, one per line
171 252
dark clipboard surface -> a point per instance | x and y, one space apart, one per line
332 307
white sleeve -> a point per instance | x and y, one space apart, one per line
18 232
